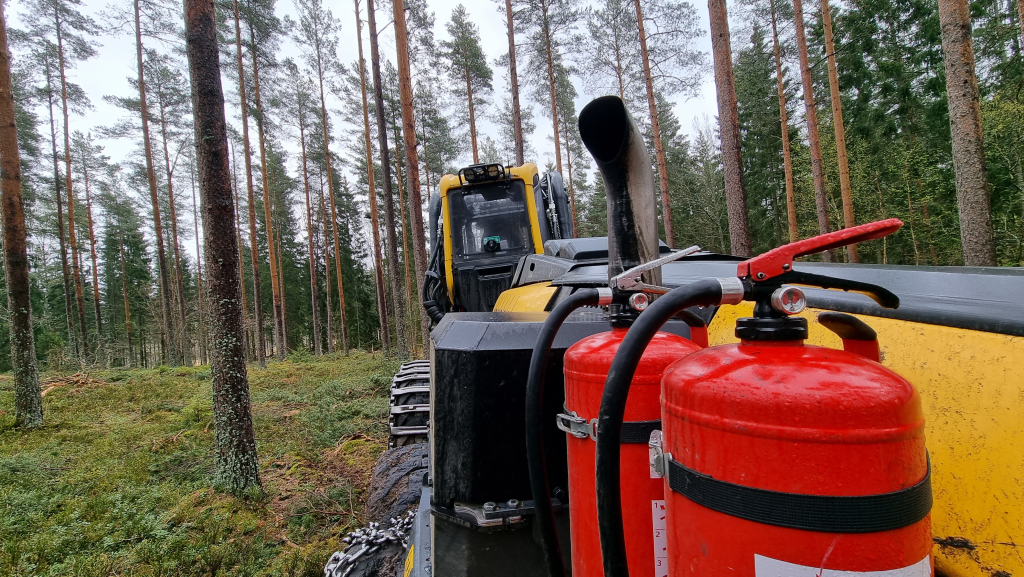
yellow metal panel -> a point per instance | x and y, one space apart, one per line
525 299
973 397
448 182
526 172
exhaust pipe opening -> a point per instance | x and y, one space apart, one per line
604 127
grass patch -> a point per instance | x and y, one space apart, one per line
118 481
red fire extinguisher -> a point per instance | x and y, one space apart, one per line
586 368
782 459
586 365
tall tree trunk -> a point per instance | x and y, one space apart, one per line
65 269
811 114
517 117
185 345
972 192
280 283
246 341
837 122
389 198
124 293
72 236
234 438
412 164
28 399
313 285
659 149
550 59
729 125
92 253
275 285
330 194
472 116
327 270
787 156
572 190
201 325
382 308
405 233
257 291
167 346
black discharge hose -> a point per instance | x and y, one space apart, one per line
434 294
536 463
613 407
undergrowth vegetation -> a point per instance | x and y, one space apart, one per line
119 480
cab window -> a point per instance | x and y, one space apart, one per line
490 220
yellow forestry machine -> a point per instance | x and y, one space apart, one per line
809 419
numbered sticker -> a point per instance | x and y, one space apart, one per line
660 538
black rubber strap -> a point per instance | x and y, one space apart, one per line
638 432
821 513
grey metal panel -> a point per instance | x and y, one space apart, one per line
500 331
987 299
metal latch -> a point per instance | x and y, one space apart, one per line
630 280
659 458
576 425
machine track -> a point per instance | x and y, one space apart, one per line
409 418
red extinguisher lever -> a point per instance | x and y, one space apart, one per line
780 260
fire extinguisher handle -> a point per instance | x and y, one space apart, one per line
780 260
881 295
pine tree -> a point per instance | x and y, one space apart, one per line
466 60
171 101
264 29
549 24
729 126
299 109
412 163
837 123
610 52
88 156
811 118
968 142
168 347
261 345
389 201
238 468
787 156
382 310
28 400
318 34
517 113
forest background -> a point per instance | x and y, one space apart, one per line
114 235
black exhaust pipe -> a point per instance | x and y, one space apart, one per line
614 141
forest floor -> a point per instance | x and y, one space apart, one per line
119 480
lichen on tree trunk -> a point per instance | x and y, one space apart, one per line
729 125
28 400
237 466
972 192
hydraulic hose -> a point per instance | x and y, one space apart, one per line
613 407
536 462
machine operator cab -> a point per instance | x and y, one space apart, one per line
482 222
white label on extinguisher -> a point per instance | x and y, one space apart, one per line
660 538
768 567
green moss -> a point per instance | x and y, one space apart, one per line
120 478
